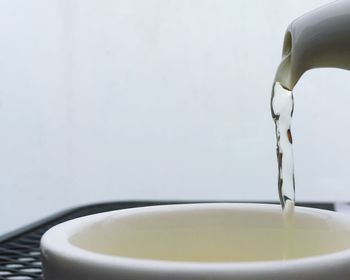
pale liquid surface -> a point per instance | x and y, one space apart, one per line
247 245
214 236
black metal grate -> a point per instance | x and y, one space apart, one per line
20 258
20 253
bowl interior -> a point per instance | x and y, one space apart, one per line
214 234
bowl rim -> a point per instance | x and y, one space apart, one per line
55 242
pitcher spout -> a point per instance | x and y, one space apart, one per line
320 38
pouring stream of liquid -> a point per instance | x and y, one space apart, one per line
282 105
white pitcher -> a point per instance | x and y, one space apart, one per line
320 38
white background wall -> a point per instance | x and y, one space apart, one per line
115 100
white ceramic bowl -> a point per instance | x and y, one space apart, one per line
197 242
